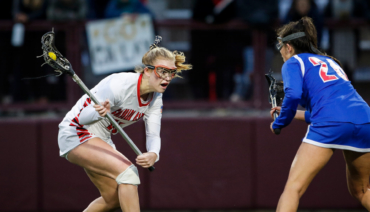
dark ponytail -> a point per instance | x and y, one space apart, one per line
310 30
306 44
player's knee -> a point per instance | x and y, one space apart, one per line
129 176
295 187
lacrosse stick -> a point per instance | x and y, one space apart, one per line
56 60
276 94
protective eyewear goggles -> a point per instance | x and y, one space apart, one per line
279 45
293 36
163 72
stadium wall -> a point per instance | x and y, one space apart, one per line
205 163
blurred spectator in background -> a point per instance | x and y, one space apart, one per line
24 63
301 8
117 8
27 10
347 9
213 52
96 8
5 14
67 10
259 15
6 10
345 40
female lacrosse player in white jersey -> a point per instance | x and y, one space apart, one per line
85 134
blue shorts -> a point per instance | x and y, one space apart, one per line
339 135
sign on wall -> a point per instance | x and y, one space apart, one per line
119 44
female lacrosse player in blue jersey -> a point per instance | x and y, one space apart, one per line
339 118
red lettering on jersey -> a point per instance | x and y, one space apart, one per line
127 114
324 74
117 112
124 114
112 129
138 116
120 114
323 69
121 123
313 61
132 112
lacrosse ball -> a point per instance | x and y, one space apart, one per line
52 55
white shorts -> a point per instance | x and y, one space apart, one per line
69 137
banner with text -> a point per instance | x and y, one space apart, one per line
119 44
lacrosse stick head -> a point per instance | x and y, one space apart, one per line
52 56
271 81
276 89
280 94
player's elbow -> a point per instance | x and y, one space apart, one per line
293 96
84 122
87 121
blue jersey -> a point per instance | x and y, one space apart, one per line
320 85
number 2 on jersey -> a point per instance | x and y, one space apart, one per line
324 69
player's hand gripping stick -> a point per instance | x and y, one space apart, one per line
56 60
273 102
273 90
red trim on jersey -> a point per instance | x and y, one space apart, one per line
138 93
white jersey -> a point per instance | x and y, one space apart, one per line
122 90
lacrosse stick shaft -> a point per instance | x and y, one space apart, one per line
273 103
110 118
